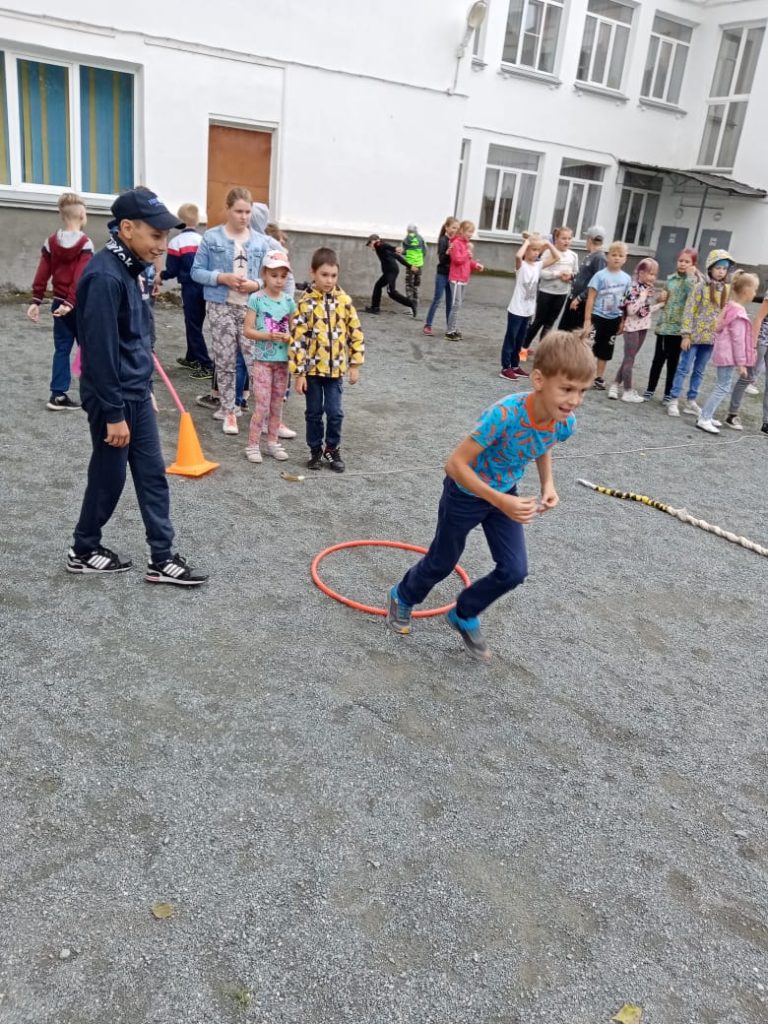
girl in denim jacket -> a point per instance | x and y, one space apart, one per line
227 264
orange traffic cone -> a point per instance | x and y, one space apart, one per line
190 460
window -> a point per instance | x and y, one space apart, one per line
462 179
5 165
578 196
44 123
665 64
510 182
533 29
729 95
65 125
106 129
639 202
604 46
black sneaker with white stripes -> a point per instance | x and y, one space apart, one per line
174 570
101 560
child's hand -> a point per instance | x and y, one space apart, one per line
284 336
301 384
480 267
520 510
685 343
549 499
566 276
354 374
742 371
33 312
62 310
576 303
229 280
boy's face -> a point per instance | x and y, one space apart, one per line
275 278
616 259
325 278
563 240
147 242
559 395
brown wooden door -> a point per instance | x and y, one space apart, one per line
236 156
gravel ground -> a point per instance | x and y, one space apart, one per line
355 827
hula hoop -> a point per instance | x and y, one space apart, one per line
369 609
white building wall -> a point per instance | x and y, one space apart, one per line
367 125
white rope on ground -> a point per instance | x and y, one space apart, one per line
681 514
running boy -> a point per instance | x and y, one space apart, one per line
113 325
603 312
389 258
64 257
178 264
327 342
480 488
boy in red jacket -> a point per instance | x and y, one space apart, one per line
63 257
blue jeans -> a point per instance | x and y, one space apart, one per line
324 396
441 289
64 337
517 328
106 480
697 358
720 391
458 514
193 301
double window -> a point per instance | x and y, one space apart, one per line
533 29
578 196
665 64
605 43
729 95
510 183
638 205
65 125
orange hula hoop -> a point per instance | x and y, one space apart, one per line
369 609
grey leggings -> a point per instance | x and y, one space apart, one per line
457 299
737 395
633 342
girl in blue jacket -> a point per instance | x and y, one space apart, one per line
227 264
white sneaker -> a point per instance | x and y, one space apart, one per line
733 421
230 424
277 451
673 408
632 396
751 389
219 414
613 392
285 433
692 408
707 425
253 453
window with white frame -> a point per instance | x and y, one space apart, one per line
65 125
578 196
667 56
533 30
462 178
639 203
729 95
510 184
605 43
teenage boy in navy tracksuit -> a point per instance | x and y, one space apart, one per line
114 331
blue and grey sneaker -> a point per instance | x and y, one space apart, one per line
469 631
398 614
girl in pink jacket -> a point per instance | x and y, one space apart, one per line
462 265
733 347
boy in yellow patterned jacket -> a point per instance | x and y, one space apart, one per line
326 343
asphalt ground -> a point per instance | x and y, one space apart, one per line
355 827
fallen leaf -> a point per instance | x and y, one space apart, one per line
294 478
161 910
629 1014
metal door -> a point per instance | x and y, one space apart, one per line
671 241
712 238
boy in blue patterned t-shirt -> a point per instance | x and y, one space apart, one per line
480 488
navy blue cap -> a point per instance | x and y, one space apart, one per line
141 204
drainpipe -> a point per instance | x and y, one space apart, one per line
701 214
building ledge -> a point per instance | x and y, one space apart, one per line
515 71
478 64
45 198
601 91
670 108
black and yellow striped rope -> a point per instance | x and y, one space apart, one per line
678 513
